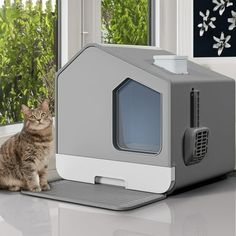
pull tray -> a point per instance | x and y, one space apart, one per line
97 195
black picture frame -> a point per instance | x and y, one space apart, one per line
214 29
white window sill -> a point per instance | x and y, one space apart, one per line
8 130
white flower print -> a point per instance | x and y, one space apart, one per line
221 5
221 43
232 20
206 22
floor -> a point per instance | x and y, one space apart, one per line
206 211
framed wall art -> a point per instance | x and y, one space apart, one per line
214 28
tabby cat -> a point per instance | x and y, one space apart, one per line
24 157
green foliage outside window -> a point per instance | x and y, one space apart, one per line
27 56
125 21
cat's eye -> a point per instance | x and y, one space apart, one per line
43 115
32 117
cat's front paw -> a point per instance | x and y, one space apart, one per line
35 189
45 187
14 188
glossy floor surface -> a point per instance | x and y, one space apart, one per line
206 211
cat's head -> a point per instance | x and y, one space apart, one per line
38 118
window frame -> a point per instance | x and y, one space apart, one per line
86 29
154 23
116 108
76 28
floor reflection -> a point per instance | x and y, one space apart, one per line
205 211
26 215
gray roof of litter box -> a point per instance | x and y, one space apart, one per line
142 57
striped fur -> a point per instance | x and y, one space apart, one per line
25 156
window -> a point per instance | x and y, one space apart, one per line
130 22
137 118
125 22
28 55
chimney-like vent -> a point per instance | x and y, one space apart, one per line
172 63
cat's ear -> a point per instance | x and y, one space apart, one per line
45 105
25 110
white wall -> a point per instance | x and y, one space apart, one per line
177 35
167 24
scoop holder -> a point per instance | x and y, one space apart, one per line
195 138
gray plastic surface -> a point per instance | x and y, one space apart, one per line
217 112
85 89
101 196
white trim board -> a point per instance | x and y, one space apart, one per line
80 24
64 32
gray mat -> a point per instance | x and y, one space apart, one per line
101 196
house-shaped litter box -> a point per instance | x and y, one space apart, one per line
140 118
